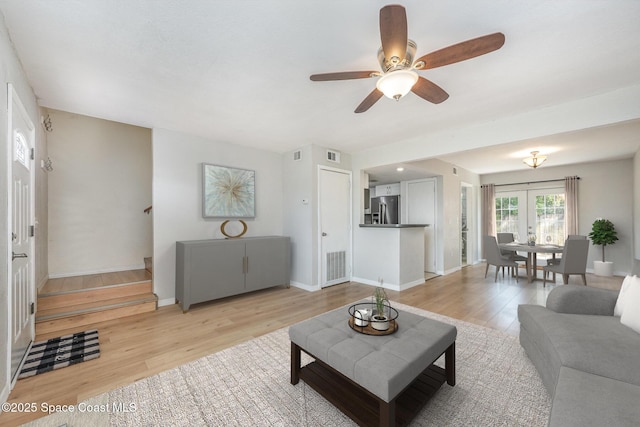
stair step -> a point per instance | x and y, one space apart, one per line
83 296
97 305
63 318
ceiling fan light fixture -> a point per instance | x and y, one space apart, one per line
534 161
397 84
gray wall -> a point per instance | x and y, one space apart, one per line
100 185
300 181
177 197
606 190
11 72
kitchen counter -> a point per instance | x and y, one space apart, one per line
393 254
394 225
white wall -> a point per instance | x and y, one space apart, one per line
636 205
301 220
298 185
98 190
606 189
11 72
177 197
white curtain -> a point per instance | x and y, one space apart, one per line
488 223
571 205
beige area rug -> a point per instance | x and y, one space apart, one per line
248 385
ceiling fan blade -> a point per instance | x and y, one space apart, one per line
393 32
368 102
345 75
430 91
462 51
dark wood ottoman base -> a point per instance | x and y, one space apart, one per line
365 408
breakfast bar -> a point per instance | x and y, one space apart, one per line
394 253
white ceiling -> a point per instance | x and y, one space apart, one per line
238 71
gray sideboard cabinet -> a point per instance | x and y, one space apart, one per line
218 268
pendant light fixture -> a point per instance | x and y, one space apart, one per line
534 161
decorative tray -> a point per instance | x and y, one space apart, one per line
364 326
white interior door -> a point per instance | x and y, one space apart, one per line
21 265
334 226
421 209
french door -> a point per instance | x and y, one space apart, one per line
539 212
546 214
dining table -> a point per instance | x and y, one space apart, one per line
532 254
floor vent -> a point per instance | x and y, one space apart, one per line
336 265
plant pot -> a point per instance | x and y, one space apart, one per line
603 268
379 323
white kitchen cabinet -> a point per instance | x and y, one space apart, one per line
388 190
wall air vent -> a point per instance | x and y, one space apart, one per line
333 156
297 155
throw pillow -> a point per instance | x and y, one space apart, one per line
626 284
631 312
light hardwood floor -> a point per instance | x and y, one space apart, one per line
66 284
143 345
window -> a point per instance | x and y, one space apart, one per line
507 214
21 150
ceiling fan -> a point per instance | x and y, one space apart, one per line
398 75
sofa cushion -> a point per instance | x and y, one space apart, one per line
599 345
583 399
631 312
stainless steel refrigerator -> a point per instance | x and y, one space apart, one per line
385 209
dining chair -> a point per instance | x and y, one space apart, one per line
494 257
573 261
508 238
556 260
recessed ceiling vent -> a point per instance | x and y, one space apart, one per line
333 156
297 155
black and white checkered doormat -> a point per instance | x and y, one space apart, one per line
60 352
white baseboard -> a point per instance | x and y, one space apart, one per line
168 301
390 286
105 270
42 282
304 286
452 270
367 281
4 394
409 285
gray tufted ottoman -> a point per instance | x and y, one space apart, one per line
375 380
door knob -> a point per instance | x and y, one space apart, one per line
324 234
15 255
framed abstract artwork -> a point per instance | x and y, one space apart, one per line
228 192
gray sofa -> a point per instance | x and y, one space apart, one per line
588 361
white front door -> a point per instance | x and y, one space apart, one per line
334 226
21 264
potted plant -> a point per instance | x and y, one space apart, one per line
603 233
379 320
